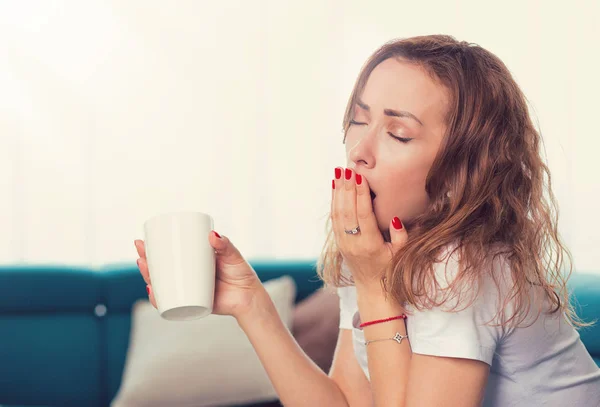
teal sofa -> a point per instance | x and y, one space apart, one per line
64 331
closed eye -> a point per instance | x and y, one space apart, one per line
401 139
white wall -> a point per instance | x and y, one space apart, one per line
112 111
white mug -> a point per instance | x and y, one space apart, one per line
181 263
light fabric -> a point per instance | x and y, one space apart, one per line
542 364
203 362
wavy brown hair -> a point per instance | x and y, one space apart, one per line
489 190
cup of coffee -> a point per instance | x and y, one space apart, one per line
181 264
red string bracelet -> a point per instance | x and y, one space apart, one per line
378 321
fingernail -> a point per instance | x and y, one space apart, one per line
358 179
396 223
148 289
338 173
216 234
333 183
348 173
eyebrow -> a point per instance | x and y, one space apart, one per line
390 112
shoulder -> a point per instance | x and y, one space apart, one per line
464 316
455 284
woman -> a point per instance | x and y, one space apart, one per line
443 248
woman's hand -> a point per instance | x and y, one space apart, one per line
236 281
366 253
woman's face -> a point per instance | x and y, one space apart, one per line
399 99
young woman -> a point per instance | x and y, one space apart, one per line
443 247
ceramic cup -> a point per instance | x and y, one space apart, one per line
181 264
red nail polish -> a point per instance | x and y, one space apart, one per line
358 179
338 173
148 289
348 173
396 223
216 234
333 183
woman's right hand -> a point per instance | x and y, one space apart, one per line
236 282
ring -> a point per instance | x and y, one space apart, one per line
353 231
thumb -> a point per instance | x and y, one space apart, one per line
226 252
398 234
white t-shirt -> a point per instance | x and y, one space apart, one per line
544 364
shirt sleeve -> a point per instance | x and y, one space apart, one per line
467 332
452 334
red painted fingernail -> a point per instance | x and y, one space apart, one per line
148 289
348 173
358 179
333 183
338 173
216 234
396 223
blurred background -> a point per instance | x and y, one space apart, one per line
113 111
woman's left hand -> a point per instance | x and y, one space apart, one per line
366 253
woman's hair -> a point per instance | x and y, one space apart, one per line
489 190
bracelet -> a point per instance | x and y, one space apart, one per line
398 338
378 321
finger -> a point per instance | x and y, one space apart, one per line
364 209
350 220
338 184
143 266
140 247
226 252
398 234
151 296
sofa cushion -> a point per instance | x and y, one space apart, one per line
51 360
202 362
50 337
123 286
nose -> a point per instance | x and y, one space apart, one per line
362 153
